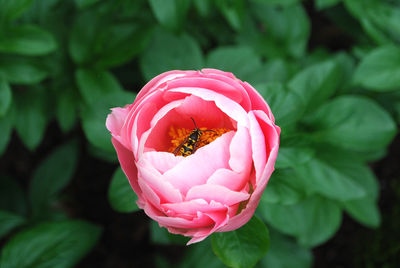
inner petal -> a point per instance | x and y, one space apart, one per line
205 113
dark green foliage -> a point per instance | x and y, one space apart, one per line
71 61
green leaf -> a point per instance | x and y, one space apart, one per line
53 244
121 43
283 188
6 125
9 221
170 13
48 181
30 115
93 124
203 7
322 4
315 84
293 156
12 197
97 41
243 247
5 96
66 110
120 194
22 70
353 122
379 19
323 177
287 29
276 70
96 86
282 3
11 10
232 59
27 40
286 253
380 69
82 4
233 11
169 52
200 255
101 91
284 103
312 221
365 210
160 235
83 36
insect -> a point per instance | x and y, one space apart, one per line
189 145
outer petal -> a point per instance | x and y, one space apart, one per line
128 165
272 142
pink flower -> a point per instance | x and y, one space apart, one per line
216 187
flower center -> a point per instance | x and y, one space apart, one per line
186 141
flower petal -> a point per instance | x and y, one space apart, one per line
216 193
196 168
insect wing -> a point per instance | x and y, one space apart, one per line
177 149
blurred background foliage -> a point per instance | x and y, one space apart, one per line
330 70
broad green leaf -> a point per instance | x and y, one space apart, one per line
287 29
52 175
121 42
83 36
232 59
170 13
12 197
380 69
322 4
27 40
312 221
203 6
12 9
350 165
380 19
282 3
285 253
98 41
233 11
82 4
324 178
5 96
101 91
6 125
243 247
273 71
285 104
169 52
283 188
93 124
200 255
30 115
353 122
315 84
66 110
9 221
365 210
160 235
120 194
293 156
107 156
22 70
95 86
52 244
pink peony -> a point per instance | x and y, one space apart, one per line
217 184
